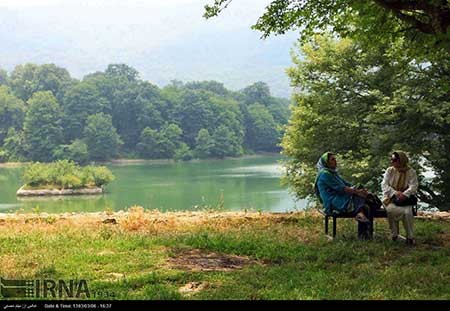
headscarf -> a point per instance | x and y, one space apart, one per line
401 185
322 164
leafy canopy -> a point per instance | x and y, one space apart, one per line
424 23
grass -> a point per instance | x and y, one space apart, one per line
287 256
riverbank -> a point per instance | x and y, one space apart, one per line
126 161
25 192
141 254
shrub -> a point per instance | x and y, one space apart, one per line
36 174
101 175
71 181
66 174
3 156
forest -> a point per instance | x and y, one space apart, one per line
47 115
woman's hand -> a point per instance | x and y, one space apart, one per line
359 192
362 193
400 196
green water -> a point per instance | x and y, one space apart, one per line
237 184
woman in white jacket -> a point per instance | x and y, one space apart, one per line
399 185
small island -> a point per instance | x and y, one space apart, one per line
63 178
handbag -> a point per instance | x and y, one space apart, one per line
374 202
411 200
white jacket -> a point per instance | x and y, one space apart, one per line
391 177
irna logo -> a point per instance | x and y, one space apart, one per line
44 288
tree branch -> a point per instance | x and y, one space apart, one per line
438 14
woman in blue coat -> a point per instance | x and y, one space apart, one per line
338 195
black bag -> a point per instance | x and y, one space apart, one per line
374 202
411 200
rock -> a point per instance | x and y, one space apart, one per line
193 288
42 192
112 221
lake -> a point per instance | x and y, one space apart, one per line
249 183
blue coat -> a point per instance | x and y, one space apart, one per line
331 190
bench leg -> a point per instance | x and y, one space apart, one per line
365 230
334 226
326 225
361 230
371 217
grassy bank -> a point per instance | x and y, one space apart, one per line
152 255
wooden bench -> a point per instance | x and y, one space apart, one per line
379 213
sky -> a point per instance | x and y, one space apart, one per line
163 39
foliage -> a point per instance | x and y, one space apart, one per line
183 152
98 176
114 113
148 145
262 134
161 144
363 105
25 80
12 112
65 174
42 126
14 145
122 71
170 140
101 138
225 143
423 23
77 151
3 77
204 144
3 156
263 117
80 101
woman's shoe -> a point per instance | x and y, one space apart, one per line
410 242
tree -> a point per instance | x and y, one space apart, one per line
258 92
132 103
203 144
3 77
194 112
183 152
42 126
122 71
148 143
225 143
418 113
211 86
162 144
170 140
15 146
12 112
77 151
80 101
363 105
101 137
424 23
132 110
27 79
262 132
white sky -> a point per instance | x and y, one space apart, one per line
162 39
130 3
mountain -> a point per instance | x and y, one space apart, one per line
163 40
